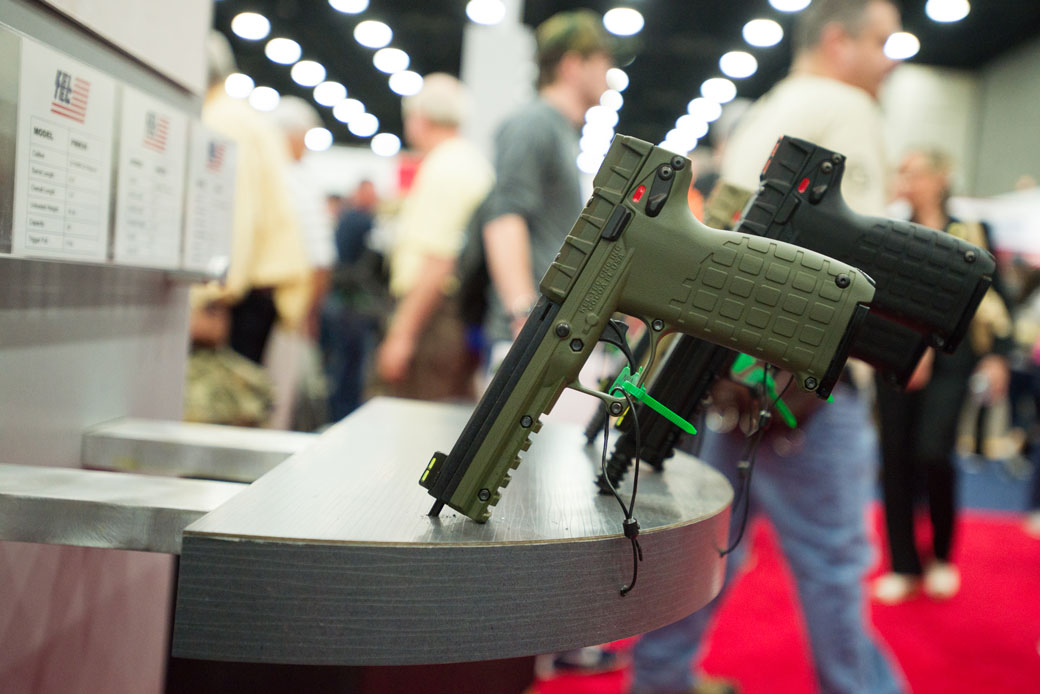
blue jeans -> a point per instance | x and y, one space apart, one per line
348 340
816 500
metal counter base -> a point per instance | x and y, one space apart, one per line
330 559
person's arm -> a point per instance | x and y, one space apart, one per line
443 198
410 318
507 247
321 280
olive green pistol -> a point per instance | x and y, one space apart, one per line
637 249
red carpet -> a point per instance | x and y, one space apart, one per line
986 639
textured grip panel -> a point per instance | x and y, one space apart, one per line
925 278
773 300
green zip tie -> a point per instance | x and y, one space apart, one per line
627 384
742 362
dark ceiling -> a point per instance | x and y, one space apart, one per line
678 48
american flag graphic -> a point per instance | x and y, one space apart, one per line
156 127
215 156
70 96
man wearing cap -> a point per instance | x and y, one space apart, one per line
536 198
537 195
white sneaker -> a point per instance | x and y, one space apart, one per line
1032 525
942 580
893 588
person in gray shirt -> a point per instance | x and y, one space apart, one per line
537 195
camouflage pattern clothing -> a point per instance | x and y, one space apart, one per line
224 387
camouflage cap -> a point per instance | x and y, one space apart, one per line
580 31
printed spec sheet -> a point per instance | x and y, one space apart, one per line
150 186
210 202
63 170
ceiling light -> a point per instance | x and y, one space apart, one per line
676 147
373 34
283 51
264 99
365 125
763 33
611 99
947 10
589 163
317 139
250 26
617 79
676 142
349 6
704 109
789 5
596 145
691 127
390 60
719 89
386 144
406 83
330 93
486 11
597 130
623 21
308 73
738 64
347 110
601 116
902 45
238 86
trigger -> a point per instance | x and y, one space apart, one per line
614 333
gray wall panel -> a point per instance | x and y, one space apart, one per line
80 345
1009 141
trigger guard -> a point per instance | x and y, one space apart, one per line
617 338
607 399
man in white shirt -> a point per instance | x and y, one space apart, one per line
814 486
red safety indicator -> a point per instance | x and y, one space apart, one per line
803 186
638 195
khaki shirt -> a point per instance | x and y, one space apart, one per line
823 111
451 182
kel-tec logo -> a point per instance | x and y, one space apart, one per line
70 96
215 157
156 128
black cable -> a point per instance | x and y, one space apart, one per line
603 467
746 466
630 524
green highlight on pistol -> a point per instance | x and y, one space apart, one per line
627 382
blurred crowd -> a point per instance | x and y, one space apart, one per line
334 297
